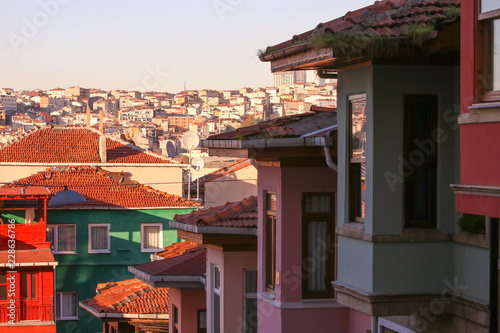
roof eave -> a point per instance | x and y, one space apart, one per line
285 52
267 143
117 315
251 231
172 281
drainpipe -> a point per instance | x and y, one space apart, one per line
102 140
328 155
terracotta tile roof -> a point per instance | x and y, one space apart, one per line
77 145
102 189
178 249
233 167
129 296
241 214
385 18
283 127
191 263
40 257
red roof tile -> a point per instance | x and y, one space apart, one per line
129 296
241 214
178 249
384 18
74 145
40 257
102 189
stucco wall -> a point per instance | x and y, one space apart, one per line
231 265
188 302
225 188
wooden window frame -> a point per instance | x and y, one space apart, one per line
93 225
215 291
355 169
6 285
30 275
175 318
247 296
484 52
434 163
270 245
330 219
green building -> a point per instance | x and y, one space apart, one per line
121 224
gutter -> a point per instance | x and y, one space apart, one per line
252 231
283 53
117 315
267 143
146 277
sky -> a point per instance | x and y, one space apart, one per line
150 44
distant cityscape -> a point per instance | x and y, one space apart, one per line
152 119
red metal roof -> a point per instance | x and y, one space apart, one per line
384 18
74 145
129 296
29 258
239 214
103 189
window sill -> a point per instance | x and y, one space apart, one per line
67 318
481 113
472 239
351 230
266 295
151 250
100 252
53 252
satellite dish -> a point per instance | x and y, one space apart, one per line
190 140
171 151
197 163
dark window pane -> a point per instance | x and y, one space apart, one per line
216 313
271 202
24 282
251 315
250 281
358 127
3 278
33 285
318 204
3 292
202 319
216 277
317 260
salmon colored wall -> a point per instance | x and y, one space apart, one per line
188 302
359 322
315 320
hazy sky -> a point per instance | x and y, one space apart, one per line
150 44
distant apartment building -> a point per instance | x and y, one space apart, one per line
140 115
180 120
77 91
9 102
245 90
106 105
56 92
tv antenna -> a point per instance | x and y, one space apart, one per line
197 164
190 140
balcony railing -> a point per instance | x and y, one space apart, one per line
34 310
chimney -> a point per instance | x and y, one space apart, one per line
102 148
101 122
88 116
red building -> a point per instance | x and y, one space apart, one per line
26 262
479 190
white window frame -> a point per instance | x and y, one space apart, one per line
160 240
58 310
216 291
55 250
384 323
247 296
108 226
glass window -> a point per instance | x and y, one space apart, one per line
62 237
495 55
489 49
216 293
202 321
270 241
318 247
357 166
421 153
66 305
250 300
151 237
489 5
99 238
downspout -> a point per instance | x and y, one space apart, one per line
374 324
327 75
328 155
